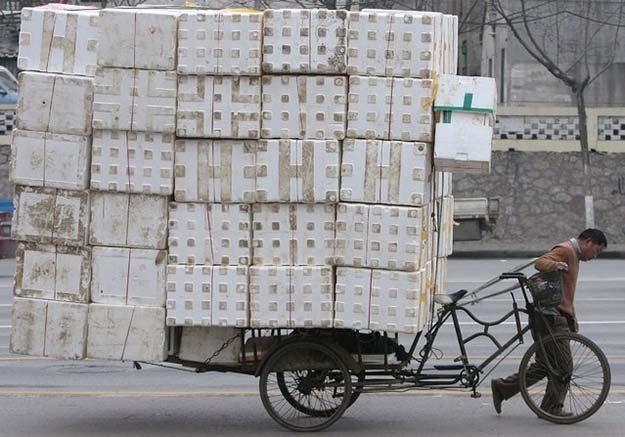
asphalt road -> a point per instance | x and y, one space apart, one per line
45 397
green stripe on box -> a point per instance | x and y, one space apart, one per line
468 100
460 109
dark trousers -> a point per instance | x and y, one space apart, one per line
559 354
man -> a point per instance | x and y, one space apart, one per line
564 257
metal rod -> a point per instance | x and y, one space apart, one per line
473 293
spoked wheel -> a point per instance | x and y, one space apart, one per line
305 386
565 378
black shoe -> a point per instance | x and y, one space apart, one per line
497 397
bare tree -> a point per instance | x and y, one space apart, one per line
576 41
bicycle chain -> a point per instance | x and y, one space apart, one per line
225 344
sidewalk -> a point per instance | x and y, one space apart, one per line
7 267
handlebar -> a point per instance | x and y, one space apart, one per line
512 275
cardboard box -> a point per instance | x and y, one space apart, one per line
128 220
218 107
133 162
207 296
201 233
215 171
390 108
220 43
50 216
299 171
389 172
43 103
304 41
123 276
304 107
293 234
53 272
50 160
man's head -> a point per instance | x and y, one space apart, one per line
591 243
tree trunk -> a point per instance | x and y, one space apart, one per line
583 139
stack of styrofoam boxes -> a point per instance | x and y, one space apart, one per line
132 164
218 130
465 104
50 167
389 249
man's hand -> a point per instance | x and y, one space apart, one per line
562 266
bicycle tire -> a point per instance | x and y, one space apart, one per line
585 377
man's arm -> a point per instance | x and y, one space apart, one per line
555 259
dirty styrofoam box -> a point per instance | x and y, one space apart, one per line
389 172
220 42
285 296
126 332
298 171
215 170
138 38
443 183
45 159
49 215
466 93
395 301
218 107
392 43
123 276
293 234
53 272
55 103
209 233
304 107
128 220
442 235
380 236
425 298
461 146
35 38
207 296
134 100
48 328
135 162
198 343
304 41
352 298
390 108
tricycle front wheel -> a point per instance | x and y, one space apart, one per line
305 386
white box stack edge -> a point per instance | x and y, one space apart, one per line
226 167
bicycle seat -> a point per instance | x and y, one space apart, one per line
446 299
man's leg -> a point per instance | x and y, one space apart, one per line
559 354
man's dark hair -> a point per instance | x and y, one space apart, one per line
594 235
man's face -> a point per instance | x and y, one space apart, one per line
589 250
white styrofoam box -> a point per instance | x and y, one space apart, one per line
215 170
131 220
207 296
135 162
304 107
425 298
352 298
123 276
53 272
436 274
390 172
392 43
381 236
295 297
138 38
201 233
293 234
59 41
304 41
126 332
218 107
48 328
198 343
389 108
49 215
466 93
443 183
54 103
220 42
304 171
28 326
463 143
134 100
45 159
442 235
395 301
